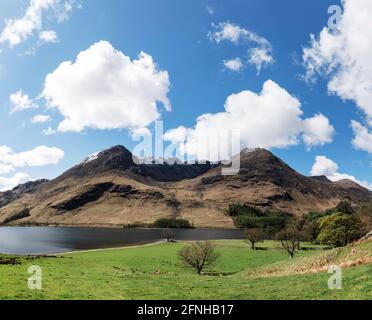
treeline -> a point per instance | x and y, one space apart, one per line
335 227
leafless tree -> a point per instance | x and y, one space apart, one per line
168 234
254 236
199 255
290 240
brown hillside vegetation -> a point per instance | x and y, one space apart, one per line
110 189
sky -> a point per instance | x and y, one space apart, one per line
79 76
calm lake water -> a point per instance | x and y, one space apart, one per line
44 240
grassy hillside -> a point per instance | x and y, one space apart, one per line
153 272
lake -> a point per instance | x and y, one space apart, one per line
48 240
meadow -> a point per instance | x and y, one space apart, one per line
154 272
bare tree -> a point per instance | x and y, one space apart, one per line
290 240
168 234
254 236
199 255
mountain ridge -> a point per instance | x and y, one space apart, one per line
111 188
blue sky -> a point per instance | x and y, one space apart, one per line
175 35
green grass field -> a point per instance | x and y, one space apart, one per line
154 272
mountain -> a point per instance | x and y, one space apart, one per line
112 188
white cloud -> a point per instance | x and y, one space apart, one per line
41 118
20 101
5 169
48 36
362 137
260 57
18 30
234 64
260 49
317 131
10 183
38 157
343 56
327 167
271 118
104 89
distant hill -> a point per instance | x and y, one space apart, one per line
111 189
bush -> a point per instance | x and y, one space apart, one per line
172 223
339 230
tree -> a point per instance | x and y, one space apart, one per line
344 207
168 234
311 230
290 239
199 255
254 236
339 230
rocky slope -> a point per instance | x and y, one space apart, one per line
111 189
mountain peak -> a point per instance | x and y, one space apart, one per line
114 158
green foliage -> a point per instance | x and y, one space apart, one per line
364 214
172 223
339 229
344 207
247 217
244 210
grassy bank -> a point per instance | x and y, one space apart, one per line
153 272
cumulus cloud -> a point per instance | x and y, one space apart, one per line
234 64
105 89
41 118
10 183
343 56
20 101
271 118
18 30
324 166
48 36
259 48
362 137
5 169
317 131
38 157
